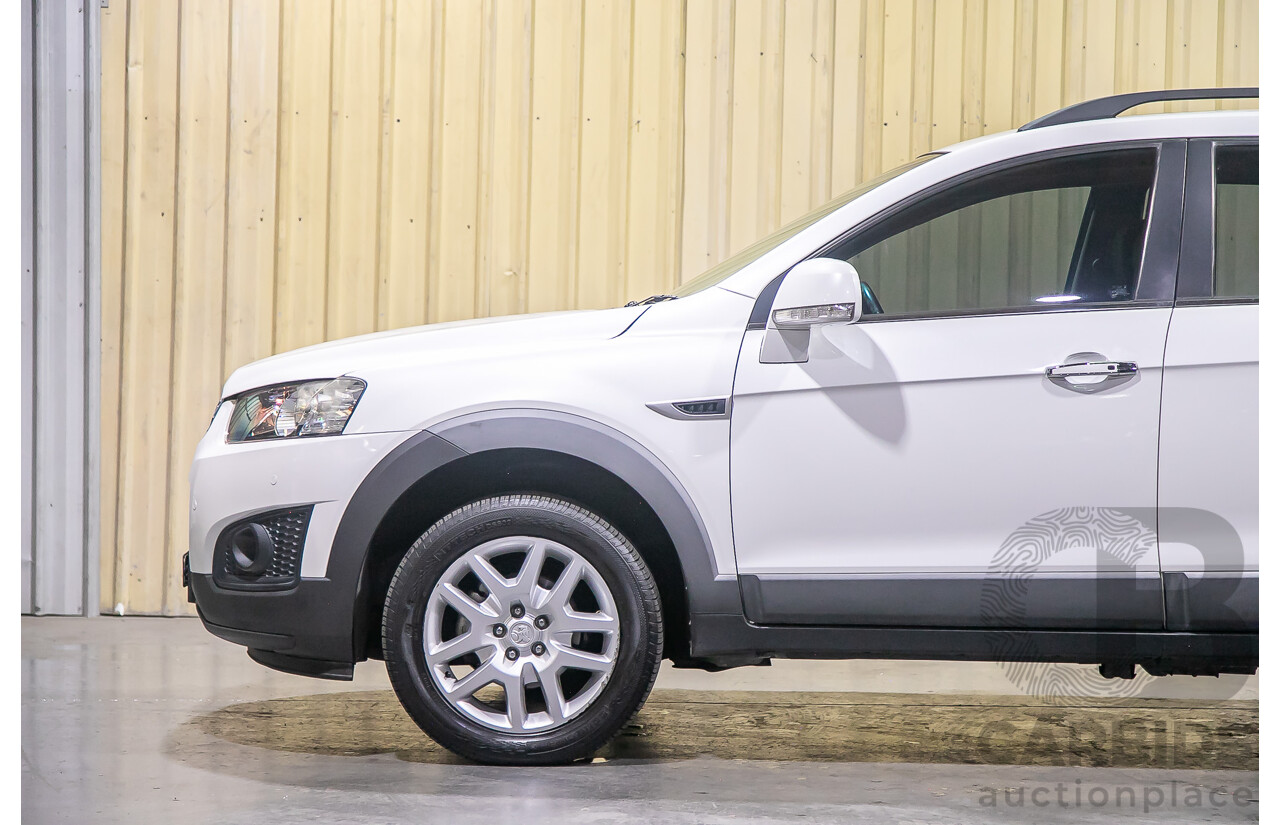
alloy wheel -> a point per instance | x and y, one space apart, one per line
521 634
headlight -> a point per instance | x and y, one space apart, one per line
313 408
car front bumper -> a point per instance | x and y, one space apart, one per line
308 626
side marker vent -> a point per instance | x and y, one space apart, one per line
715 407
688 410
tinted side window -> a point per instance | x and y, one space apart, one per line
1235 222
1061 231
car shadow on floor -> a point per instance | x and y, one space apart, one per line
789 727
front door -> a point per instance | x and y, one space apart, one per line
921 467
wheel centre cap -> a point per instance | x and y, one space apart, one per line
522 633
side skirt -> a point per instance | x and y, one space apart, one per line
726 639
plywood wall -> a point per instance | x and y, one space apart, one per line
282 172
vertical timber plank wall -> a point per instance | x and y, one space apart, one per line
282 172
145 464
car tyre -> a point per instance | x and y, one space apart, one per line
485 552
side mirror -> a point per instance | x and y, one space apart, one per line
818 291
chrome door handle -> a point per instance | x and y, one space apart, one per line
1090 374
1087 368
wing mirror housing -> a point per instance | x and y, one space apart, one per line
815 292
818 291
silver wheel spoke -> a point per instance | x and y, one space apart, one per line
473 681
527 581
558 596
471 610
550 684
581 659
571 621
469 642
493 581
517 714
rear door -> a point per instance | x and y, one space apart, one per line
920 467
1208 518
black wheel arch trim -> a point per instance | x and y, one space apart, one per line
390 478
628 460
553 431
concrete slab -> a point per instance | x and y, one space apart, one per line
140 720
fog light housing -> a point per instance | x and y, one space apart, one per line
251 549
263 551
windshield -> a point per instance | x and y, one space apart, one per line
725 268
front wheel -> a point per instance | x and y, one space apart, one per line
522 630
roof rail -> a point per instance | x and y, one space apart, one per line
1106 107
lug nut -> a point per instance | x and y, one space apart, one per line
513 654
541 622
499 630
539 648
517 610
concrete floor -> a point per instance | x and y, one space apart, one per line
153 720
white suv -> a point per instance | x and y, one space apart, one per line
931 419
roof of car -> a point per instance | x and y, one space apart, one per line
1225 123
1102 120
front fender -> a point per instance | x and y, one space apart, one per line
552 431
623 457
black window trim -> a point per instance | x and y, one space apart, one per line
1216 301
1195 263
1157 274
